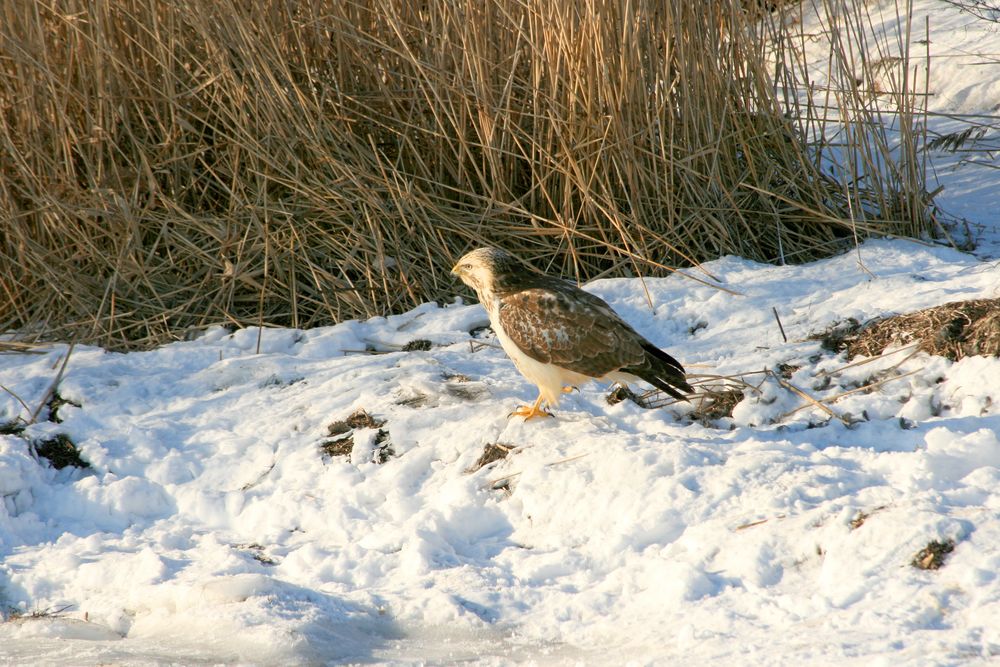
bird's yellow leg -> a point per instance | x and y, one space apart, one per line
567 390
531 412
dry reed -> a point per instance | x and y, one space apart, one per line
171 164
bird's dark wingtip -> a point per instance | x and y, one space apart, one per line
664 372
671 387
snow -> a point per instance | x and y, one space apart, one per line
211 527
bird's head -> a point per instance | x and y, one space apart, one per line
478 268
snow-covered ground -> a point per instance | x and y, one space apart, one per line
212 528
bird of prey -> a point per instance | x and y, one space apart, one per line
560 336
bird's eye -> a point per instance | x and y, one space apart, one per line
467 266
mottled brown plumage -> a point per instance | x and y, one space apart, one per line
559 335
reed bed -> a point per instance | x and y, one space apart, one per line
166 165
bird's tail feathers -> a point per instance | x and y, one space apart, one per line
663 372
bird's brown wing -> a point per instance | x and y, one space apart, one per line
573 329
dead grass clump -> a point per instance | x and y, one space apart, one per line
55 402
60 451
358 419
383 450
337 447
860 518
342 430
953 330
651 399
15 615
12 427
621 393
466 392
494 451
256 551
416 399
838 335
932 556
716 404
715 397
165 166
786 371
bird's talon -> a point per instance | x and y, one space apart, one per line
530 412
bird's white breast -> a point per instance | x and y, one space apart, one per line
549 378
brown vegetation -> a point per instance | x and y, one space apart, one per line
953 330
932 557
492 452
170 165
60 452
342 442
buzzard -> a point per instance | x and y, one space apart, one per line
560 336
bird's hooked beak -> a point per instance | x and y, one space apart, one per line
456 271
